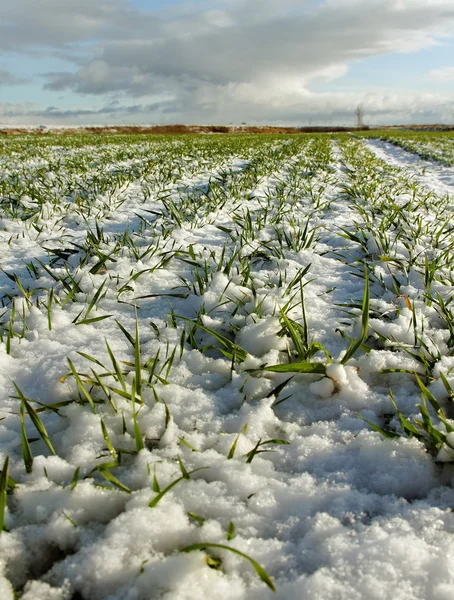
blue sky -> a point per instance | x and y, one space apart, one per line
401 70
226 61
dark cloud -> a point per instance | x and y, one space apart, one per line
8 78
27 24
53 114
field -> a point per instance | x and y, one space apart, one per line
227 367
438 146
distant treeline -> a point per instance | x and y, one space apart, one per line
178 129
209 129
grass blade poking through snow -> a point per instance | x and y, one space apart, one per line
137 435
255 450
365 321
185 475
108 476
231 531
3 492
299 367
257 568
386 433
81 386
232 350
109 445
231 453
26 450
137 365
39 425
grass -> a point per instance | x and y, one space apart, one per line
160 250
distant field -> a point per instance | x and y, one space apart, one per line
174 130
227 366
434 145
210 129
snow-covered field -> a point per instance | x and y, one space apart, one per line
214 341
432 146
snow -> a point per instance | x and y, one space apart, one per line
434 176
337 511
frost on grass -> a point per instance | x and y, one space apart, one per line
198 339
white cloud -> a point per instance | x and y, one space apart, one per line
221 60
252 44
228 105
443 74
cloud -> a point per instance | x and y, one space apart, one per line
443 74
26 24
252 41
221 60
316 109
8 78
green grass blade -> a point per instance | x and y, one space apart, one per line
407 427
257 568
354 346
386 433
112 479
109 445
81 386
34 417
126 333
163 492
116 367
26 450
233 350
137 435
137 364
75 478
231 531
171 485
3 492
92 320
231 453
299 367
294 335
428 394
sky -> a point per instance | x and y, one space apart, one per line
283 62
